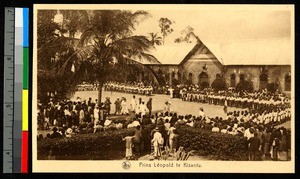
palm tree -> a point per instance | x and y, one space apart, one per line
106 47
155 39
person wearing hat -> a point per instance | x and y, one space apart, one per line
157 141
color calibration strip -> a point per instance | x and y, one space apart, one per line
8 91
18 79
24 164
15 111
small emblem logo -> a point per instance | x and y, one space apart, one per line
126 165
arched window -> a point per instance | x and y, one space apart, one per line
263 81
232 80
218 76
287 82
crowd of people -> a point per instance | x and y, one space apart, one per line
136 88
68 118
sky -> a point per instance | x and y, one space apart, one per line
214 23
222 24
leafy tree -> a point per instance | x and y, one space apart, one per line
74 21
46 27
106 47
244 85
155 39
165 26
219 84
187 35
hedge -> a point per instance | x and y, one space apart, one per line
85 144
109 145
217 145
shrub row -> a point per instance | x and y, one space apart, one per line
217 145
85 144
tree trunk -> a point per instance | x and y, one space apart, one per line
100 92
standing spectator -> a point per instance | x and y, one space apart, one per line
124 109
157 142
143 109
133 104
96 112
107 104
129 145
167 108
275 144
266 144
102 114
254 144
118 106
137 139
81 116
149 106
225 106
283 149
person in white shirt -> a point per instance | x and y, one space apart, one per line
133 103
157 141
96 113
248 133
143 108
215 128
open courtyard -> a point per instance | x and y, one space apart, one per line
177 105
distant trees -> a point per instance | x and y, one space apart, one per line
165 26
188 36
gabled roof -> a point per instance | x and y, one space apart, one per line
172 54
268 51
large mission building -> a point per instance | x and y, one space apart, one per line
262 61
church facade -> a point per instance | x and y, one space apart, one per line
261 61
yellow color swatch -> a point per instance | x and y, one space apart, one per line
25 110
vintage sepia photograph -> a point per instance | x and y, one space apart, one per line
151 88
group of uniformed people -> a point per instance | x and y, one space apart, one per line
239 100
138 88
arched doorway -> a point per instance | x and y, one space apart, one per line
287 82
203 80
263 81
232 80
